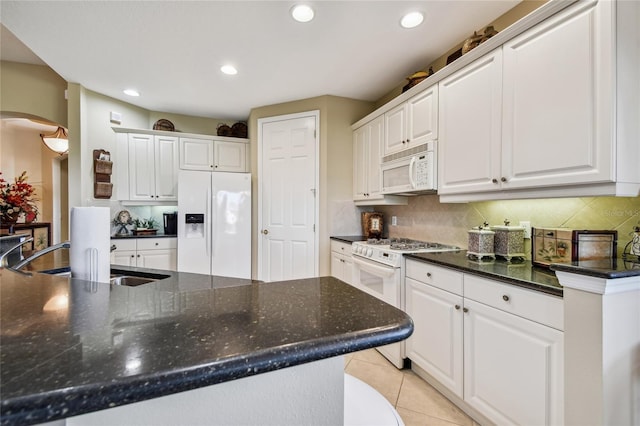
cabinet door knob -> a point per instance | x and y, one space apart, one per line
265 231
138 255
156 243
505 297
503 179
408 140
457 307
132 256
211 165
494 180
429 274
465 310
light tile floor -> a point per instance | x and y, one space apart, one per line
417 402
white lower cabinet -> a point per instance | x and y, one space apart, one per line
436 318
512 367
341 263
497 347
153 253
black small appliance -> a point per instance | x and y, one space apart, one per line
171 223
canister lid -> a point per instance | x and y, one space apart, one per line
507 228
481 231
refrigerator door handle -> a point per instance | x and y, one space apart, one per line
208 224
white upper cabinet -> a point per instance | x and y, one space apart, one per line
196 154
557 114
213 155
470 105
556 83
229 156
153 167
367 143
412 123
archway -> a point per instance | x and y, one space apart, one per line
21 148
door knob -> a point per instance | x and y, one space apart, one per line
265 231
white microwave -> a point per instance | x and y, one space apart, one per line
410 174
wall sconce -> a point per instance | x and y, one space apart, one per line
57 142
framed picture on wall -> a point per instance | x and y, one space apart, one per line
40 238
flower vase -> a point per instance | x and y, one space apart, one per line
10 219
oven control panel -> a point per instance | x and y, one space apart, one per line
377 253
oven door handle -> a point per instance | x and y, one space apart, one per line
384 271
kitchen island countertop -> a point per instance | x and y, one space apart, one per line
71 347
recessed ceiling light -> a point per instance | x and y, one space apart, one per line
131 92
412 20
302 13
229 69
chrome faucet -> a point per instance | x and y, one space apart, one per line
3 256
42 252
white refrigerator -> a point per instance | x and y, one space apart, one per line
214 223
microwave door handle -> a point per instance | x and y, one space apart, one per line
411 167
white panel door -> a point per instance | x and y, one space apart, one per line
551 127
513 367
470 119
288 197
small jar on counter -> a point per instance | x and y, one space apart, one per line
481 242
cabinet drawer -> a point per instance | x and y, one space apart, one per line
442 278
156 243
124 244
340 247
532 305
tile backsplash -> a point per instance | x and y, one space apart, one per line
425 218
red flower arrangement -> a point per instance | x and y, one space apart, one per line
17 198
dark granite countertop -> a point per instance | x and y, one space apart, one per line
128 237
522 274
349 239
608 268
71 346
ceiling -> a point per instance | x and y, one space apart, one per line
172 51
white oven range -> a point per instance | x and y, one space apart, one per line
378 269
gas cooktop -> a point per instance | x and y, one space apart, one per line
389 251
407 244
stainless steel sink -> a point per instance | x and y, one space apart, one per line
119 276
130 281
